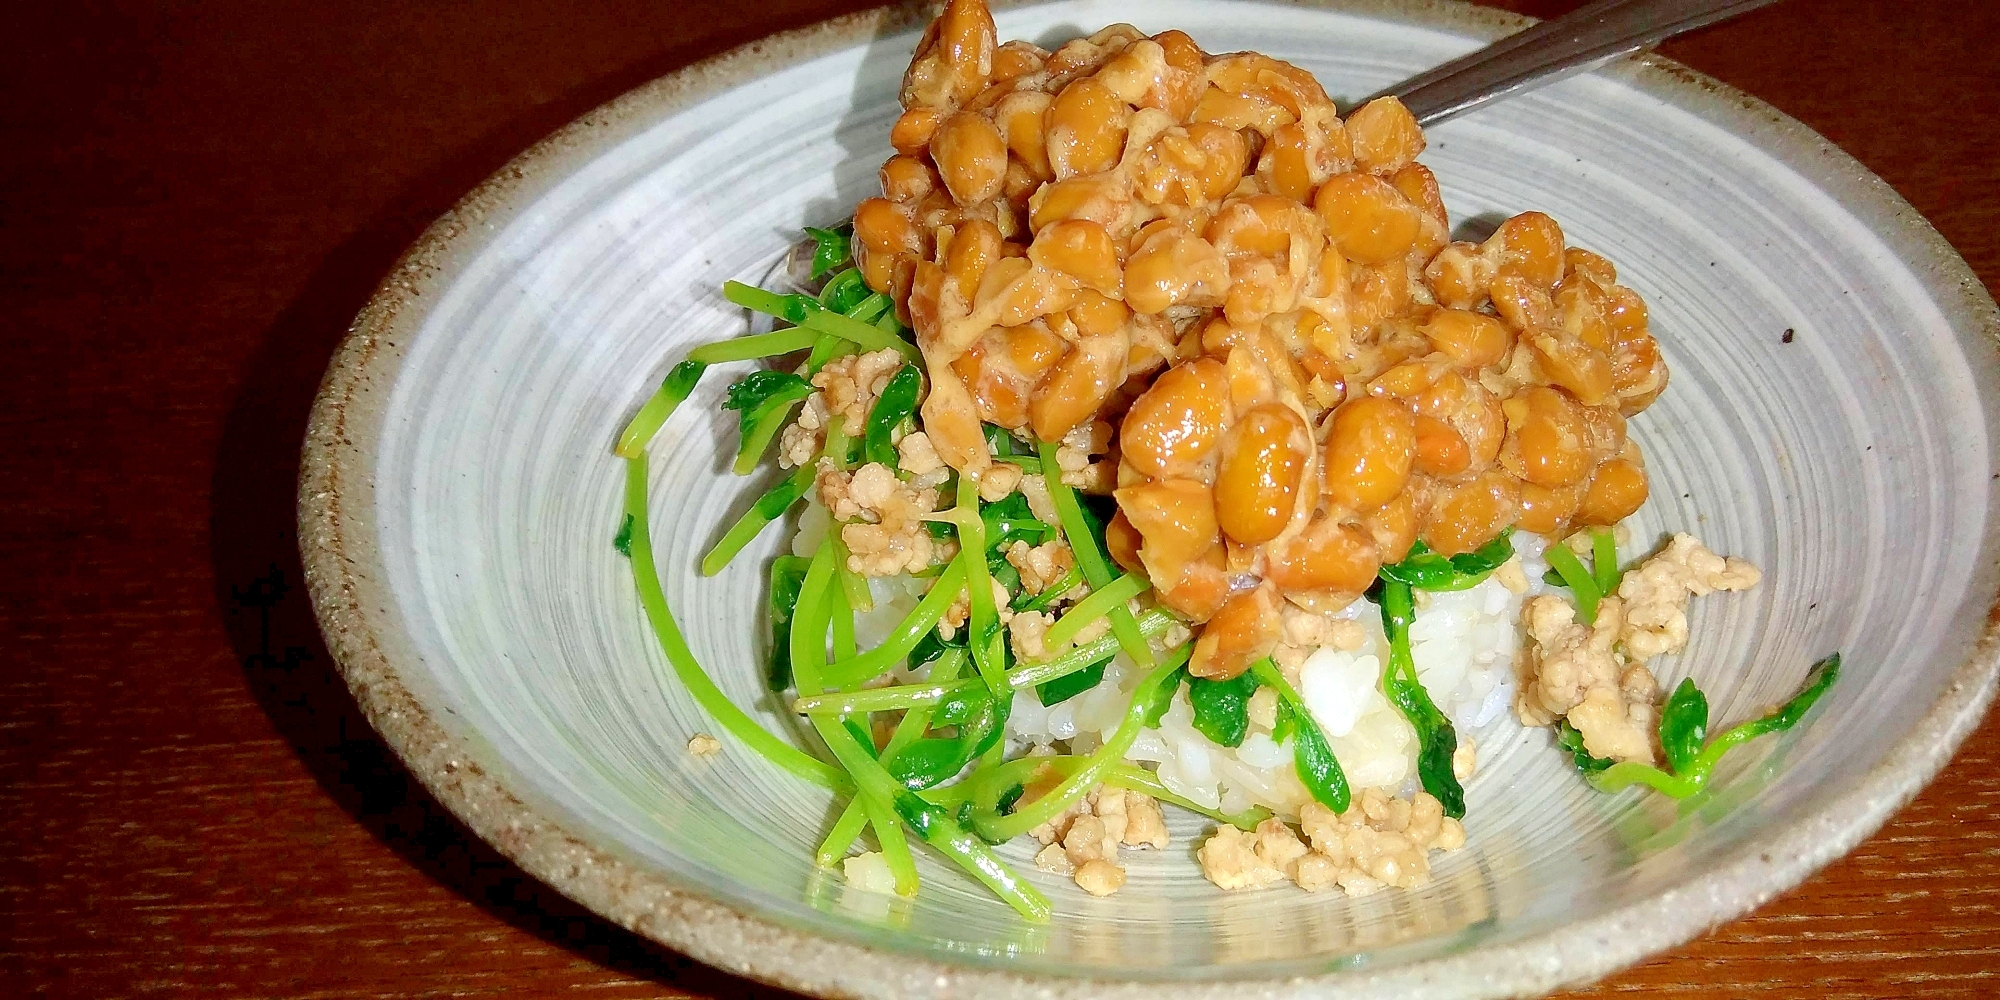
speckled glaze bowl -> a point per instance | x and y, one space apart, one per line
1831 417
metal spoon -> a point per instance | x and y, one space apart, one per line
1551 50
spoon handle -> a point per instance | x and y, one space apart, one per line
1553 49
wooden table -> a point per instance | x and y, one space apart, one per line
194 200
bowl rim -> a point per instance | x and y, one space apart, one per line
350 597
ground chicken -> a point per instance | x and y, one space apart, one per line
1512 576
1312 630
1596 676
1036 490
1230 859
1040 565
1073 457
1029 630
704 745
1083 840
852 383
804 436
955 616
1574 670
884 533
917 456
1656 593
1100 878
1379 841
999 482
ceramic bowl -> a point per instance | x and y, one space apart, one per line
1830 417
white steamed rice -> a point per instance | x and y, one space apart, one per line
1464 644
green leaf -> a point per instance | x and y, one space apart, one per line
788 574
1424 569
845 291
830 248
962 706
1486 558
1684 725
1068 686
1437 740
931 646
897 401
1311 755
1287 723
1222 708
757 394
1009 799
926 762
1319 769
1004 572
622 541
1572 741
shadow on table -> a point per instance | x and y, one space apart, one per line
262 600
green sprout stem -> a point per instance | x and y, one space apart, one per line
762 433
757 345
1096 568
908 729
1581 584
733 720
944 592
1097 605
1604 561
769 507
1151 625
1145 698
863 335
673 391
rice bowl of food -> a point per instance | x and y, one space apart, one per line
1143 536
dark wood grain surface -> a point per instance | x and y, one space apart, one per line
194 201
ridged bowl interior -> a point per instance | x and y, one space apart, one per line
1829 418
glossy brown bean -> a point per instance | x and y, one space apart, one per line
1367 219
974 247
1545 438
1244 630
1546 510
1175 267
1264 460
1122 541
1471 340
1384 135
1076 387
1177 422
1328 556
1617 489
1574 365
1441 450
911 134
1393 526
970 156
1086 129
1175 519
1083 250
1465 515
1370 450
